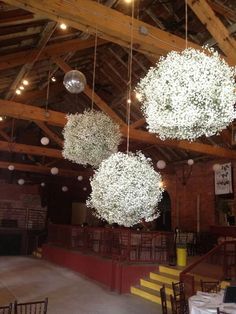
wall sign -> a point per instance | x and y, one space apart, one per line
223 180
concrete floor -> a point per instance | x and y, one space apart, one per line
27 279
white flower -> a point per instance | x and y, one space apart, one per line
126 190
188 94
90 137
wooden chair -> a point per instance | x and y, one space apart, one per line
163 300
179 297
221 312
6 309
37 307
173 305
210 286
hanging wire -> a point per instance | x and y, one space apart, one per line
48 88
129 89
94 63
186 24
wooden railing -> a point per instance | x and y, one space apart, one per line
117 243
223 256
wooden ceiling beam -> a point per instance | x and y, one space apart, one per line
19 58
54 137
223 10
114 26
30 149
26 112
43 169
215 27
89 93
138 123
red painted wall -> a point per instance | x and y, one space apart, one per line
114 275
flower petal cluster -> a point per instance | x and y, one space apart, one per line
188 94
126 189
90 137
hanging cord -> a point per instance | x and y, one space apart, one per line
48 88
94 63
129 89
186 24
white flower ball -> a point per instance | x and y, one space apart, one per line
80 178
64 188
190 162
161 164
216 167
126 190
21 181
44 141
188 94
11 167
54 171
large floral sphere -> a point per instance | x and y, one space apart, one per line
126 190
188 94
90 137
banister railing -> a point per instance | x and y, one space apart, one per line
222 256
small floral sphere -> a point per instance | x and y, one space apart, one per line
161 164
54 171
21 181
80 178
11 167
188 94
64 188
216 167
90 138
74 81
44 140
126 190
190 162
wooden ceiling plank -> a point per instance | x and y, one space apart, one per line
26 112
49 133
223 10
43 169
87 15
88 92
215 27
19 58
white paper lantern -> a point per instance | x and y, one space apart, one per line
64 188
126 190
161 164
21 181
44 140
85 189
216 167
74 81
54 171
42 184
11 167
190 162
80 178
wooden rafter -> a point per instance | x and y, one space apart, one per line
43 169
88 92
114 26
19 58
138 123
26 112
223 10
216 28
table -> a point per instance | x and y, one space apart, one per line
207 303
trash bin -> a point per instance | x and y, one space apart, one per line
181 256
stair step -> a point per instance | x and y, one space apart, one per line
169 270
155 285
148 294
166 279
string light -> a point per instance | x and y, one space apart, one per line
53 79
63 26
1 118
18 91
25 82
21 87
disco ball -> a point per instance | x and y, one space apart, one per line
54 171
74 81
11 167
80 178
44 140
190 162
21 181
64 188
161 164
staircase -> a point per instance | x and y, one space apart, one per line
37 253
149 288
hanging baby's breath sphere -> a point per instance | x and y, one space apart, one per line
90 137
188 94
74 81
126 190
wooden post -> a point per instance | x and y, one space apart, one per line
198 213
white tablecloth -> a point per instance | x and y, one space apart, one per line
207 303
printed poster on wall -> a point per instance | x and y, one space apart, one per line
223 180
